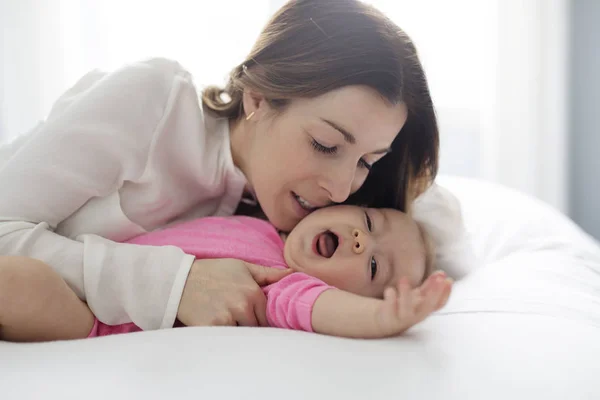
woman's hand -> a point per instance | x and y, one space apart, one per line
403 307
226 292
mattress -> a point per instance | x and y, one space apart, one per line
524 323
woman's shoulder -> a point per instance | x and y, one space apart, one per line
152 75
137 84
158 69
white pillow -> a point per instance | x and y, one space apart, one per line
501 221
523 324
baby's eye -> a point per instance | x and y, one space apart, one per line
373 268
369 222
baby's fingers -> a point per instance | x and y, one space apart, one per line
433 295
431 281
390 299
407 299
447 288
390 295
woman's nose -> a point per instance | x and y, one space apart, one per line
360 241
339 183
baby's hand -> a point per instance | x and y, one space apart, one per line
403 307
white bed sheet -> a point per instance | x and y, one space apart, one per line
524 324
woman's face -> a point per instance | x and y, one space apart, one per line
317 151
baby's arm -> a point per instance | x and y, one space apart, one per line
37 305
341 313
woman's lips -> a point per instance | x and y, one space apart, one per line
300 211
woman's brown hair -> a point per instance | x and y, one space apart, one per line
310 47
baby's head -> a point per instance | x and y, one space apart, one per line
360 250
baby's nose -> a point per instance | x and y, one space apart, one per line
359 241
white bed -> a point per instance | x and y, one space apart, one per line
524 324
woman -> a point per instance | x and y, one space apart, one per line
330 106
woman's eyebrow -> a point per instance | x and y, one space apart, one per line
350 138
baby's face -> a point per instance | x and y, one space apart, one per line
360 250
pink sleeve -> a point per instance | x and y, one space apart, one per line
290 301
101 329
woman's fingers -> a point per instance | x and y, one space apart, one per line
246 318
260 308
223 319
226 292
266 275
243 313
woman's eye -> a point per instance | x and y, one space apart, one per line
323 149
363 164
369 222
373 268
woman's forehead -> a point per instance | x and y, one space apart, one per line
355 108
364 121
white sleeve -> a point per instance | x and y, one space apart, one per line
439 212
97 136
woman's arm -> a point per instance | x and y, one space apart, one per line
344 314
97 137
37 305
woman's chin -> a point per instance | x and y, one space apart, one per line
282 222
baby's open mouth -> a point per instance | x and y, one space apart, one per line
326 244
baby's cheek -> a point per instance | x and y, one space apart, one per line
326 270
293 257
343 274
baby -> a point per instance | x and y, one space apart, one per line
355 272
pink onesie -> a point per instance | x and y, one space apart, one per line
289 301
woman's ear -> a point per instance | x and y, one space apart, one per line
254 103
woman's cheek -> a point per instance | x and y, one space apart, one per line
359 180
308 156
